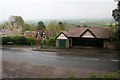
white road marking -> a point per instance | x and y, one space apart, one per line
21 48
87 58
52 56
18 53
28 54
26 49
91 59
76 58
95 59
24 53
15 48
8 52
114 60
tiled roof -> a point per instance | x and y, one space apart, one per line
78 31
28 32
100 32
75 32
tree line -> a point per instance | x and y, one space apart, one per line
17 21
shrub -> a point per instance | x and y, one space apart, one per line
30 41
93 75
17 40
51 41
110 75
43 43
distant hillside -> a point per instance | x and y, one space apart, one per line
89 22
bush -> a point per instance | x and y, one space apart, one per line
17 40
30 41
51 41
43 43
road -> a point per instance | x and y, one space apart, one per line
94 62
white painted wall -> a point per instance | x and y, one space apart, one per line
88 35
62 36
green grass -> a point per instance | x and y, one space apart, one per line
104 75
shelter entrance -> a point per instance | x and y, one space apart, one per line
91 42
62 43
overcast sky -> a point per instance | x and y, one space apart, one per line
56 9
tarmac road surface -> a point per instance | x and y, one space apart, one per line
96 62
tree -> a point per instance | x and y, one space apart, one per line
116 13
40 25
85 25
5 25
116 16
18 20
27 27
61 25
16 24
78 26
112 32
53 29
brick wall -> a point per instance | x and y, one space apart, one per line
112 45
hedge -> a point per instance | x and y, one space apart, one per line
17 40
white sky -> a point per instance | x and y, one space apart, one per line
56 9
